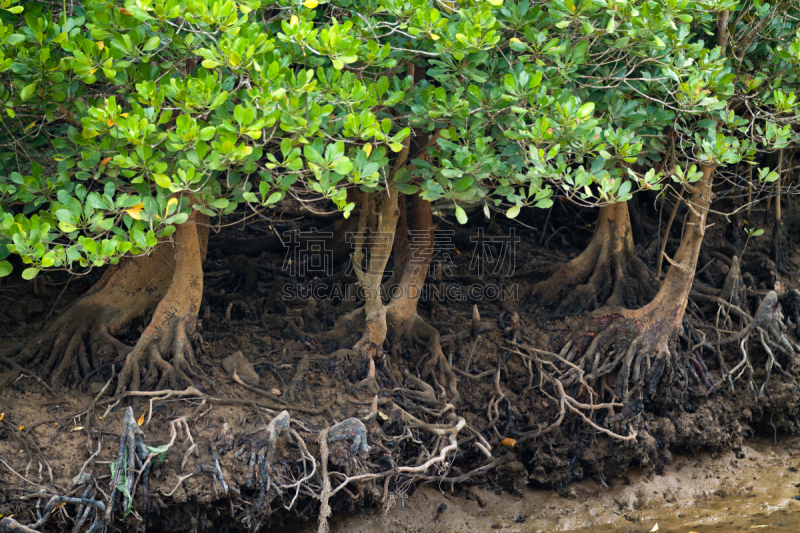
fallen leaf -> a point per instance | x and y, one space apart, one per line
141 420
508 441
2 416
21 428
135 211
655 528
106 161
76 428
276 392
383 415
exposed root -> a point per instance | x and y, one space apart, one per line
543 359
769 327
434 363
131 457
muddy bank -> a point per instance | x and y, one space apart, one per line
729 491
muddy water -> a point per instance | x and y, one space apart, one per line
751 491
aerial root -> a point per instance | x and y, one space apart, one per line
86 504
554 370
770 330
149 355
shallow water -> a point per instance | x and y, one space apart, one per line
752 492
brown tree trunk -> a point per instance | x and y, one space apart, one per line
84 331
403 306
606 272
642 337
174 320
378 234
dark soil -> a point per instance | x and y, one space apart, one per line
47 436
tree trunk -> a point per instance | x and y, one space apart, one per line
606 272
643 335
84 331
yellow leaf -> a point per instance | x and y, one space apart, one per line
124 115
93 71
294 20
111 122
508 441
21 428
2 416
32 124
434 36
100 45
514 39
311 4
172 201
141 420
76 428
105 161
135 211
368 148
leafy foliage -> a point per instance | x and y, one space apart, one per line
121 117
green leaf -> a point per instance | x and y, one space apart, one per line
152 43
586 110
162 180
5 268
343 166
219 99
30 273
513 211
210 64
461 215
27 91
207 133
